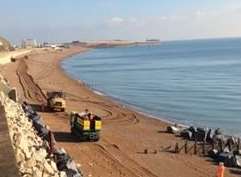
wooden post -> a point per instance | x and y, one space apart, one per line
220 145
204 147
229 146
186 147
213 145
176 148
195 146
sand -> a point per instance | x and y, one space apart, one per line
5 57
125 135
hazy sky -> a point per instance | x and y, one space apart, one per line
65 20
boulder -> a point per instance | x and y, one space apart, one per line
48 168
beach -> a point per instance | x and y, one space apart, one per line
5 57
126 133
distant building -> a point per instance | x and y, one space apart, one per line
153 41
78 43
29 43
5 45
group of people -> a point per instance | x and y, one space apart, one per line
87 115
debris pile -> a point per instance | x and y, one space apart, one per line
220 147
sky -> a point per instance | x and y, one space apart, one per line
67 20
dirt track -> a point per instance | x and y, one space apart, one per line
125 133
32 91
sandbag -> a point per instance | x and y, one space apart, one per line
227 159
72 170
61 159
38 125
200 134
237 161
213 153
210 135
187 134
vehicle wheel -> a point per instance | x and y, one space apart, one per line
97 139
72 132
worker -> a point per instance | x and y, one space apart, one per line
52 143
84 114
220 170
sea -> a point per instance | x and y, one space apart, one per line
195 82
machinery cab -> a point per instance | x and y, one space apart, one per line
56 101
86 127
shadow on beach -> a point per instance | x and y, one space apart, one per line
65 137
235 171
40 108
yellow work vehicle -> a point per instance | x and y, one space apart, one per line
56 101
86 127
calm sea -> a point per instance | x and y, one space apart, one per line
191 82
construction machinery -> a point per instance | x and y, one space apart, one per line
85 127
56 101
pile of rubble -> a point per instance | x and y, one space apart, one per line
29 138
224 148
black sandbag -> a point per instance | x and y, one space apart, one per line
38 125
61 159
200 134
227 159
35 117
210 135
213 153
192 129
28 109
72 170
43 133
187 134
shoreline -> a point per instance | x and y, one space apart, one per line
167 120
111 98
122 103
125 134
108 97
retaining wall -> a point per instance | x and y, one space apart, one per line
8 167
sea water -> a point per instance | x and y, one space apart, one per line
195 82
